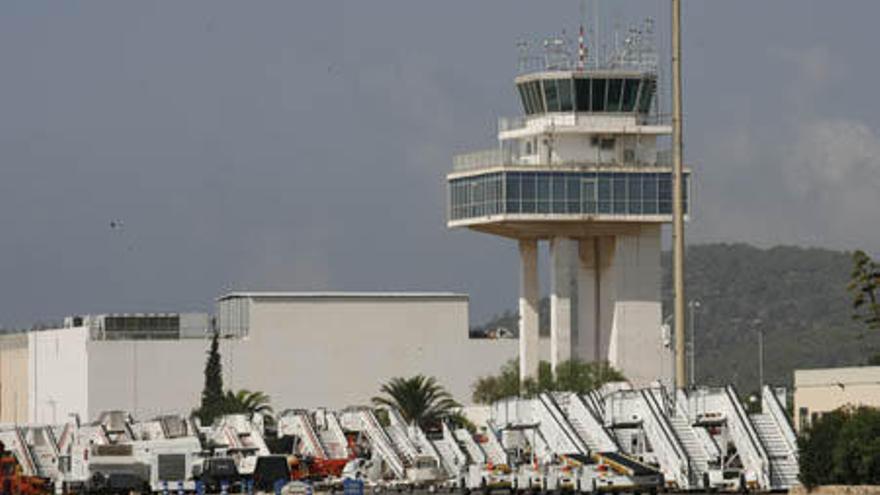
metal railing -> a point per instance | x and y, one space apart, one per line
772 407
505 158
517 122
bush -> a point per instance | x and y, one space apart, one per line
571 376
842 448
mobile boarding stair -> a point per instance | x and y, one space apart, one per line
454 459
13 438
362 419
777 435
298 423
573 464
644 411
720 409
331 435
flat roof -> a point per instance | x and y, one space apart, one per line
452 296
837 376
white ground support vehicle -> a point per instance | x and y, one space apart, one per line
484 480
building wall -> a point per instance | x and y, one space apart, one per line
337 352
149 377
303 352
14 378
819 391
57 374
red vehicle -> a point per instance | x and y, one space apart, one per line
13 482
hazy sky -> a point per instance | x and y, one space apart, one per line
303 144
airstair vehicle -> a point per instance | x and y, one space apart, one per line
13 438
585 421
643 410
425 464
454 459
298 423
720 410
363 420
555 427
777 435
473 449
44 451
240 439
331 435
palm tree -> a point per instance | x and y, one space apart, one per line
419 400
247 402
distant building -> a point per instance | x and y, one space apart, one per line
303 349
819 391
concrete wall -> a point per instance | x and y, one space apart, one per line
14 378
824 390
619 311
149 378
302 351
57 374
336 352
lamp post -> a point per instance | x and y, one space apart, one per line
693 305
756 323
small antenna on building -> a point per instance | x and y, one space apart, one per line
582 49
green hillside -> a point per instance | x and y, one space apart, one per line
799 295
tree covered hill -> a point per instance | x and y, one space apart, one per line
798 294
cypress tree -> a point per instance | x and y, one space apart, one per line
213 399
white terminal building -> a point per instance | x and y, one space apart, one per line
305 350
583 169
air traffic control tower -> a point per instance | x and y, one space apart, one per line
583 168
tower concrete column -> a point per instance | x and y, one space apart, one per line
588 291
528 309
562 256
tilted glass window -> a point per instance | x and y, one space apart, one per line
630 93
582 94
524 97
597 89
649 86
615 89
551 94
566 102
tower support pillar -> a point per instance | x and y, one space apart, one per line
562 257
528 309
588 292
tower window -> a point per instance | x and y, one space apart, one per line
607 144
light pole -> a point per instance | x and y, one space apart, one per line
693 305
756 323
677 206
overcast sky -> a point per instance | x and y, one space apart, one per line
302 145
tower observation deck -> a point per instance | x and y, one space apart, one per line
582 168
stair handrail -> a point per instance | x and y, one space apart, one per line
477 454
450 440
494 443
772 406
26 453
305 422
668 441
549 408
602 437
743 428
380 438
335 429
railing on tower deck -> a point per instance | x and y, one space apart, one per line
506 158
518 122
